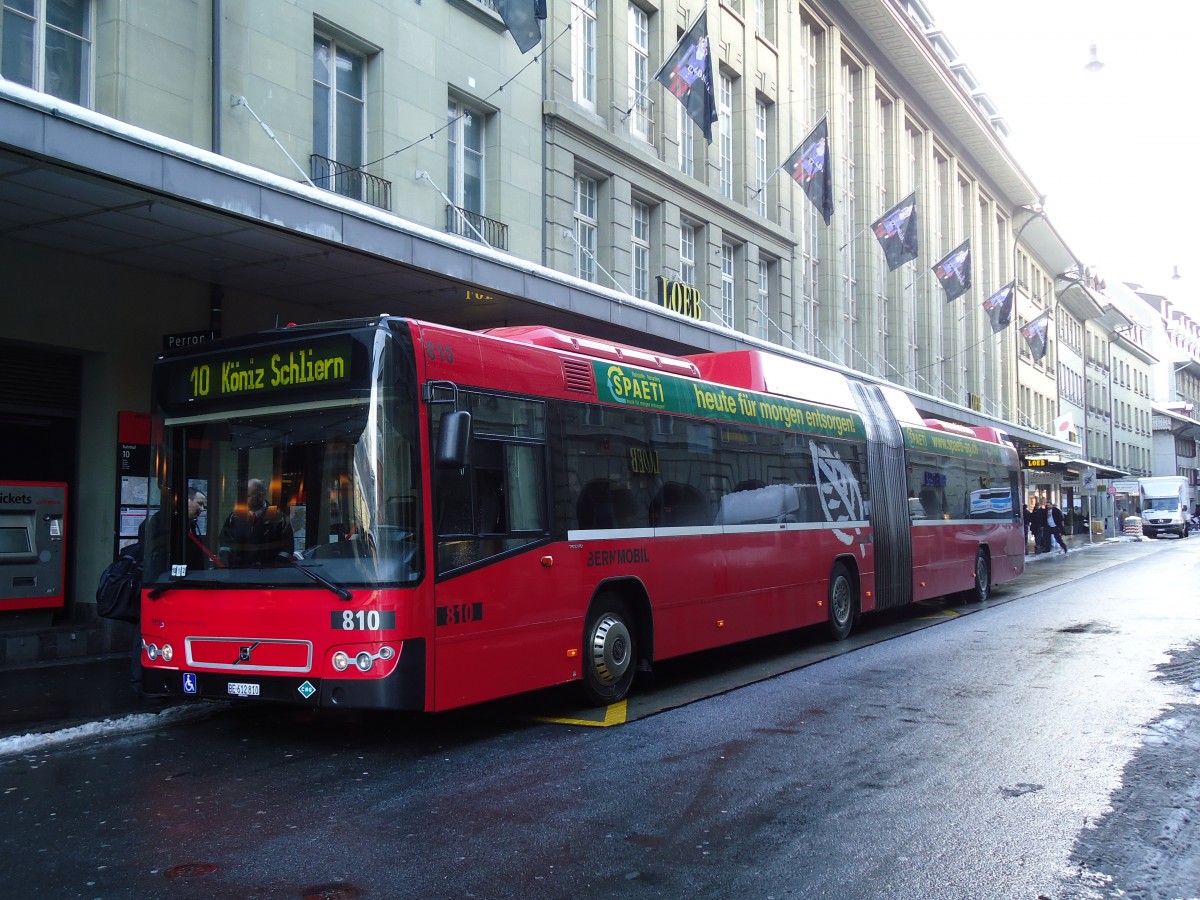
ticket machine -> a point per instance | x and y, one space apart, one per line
33 539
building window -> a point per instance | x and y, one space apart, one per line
725 121
466 151
640 240
339 115
586 225
466 146
727 284
847 159
764 299
47 46
639 72
687 145
583 51
760 156
687 253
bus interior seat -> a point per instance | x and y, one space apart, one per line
489 501
677 505
603 504
930 503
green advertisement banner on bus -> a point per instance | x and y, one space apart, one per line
616 383
944 444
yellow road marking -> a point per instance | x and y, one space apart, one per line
614 714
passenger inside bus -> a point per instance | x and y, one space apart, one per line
260 534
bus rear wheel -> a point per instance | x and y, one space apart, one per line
610 651
841 603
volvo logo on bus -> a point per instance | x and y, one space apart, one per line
244 653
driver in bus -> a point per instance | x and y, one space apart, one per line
260 534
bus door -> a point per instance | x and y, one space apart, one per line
495 598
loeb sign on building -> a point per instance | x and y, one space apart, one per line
679 297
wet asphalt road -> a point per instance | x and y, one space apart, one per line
977 758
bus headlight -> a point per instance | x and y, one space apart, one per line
167 653
152 652
373 659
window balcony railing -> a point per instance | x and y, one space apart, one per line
493 232
350 182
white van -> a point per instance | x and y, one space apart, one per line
1165 505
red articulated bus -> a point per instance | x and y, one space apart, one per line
391 514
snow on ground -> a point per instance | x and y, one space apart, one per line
131 724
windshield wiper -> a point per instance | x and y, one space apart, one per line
320 579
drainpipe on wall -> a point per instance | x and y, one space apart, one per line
217 91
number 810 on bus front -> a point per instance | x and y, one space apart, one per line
362 619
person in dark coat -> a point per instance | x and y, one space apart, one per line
1039 524
1056 527
258 535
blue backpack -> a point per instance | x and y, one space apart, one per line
118 595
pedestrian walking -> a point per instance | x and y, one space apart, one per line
1056 527
1039 524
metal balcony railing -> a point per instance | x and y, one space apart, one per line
350 182
493 232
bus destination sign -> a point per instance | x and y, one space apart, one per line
246 373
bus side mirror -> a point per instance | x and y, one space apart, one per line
453 438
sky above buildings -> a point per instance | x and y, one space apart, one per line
1116 152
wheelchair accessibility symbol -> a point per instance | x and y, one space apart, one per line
189 683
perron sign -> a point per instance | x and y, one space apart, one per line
679 297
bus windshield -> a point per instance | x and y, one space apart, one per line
315 493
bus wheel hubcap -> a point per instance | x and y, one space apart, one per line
610 649
841 600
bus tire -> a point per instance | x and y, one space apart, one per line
842 603
610 651
983 580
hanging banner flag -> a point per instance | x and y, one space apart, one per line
524 21
1064 426
688 75
1036 334
809 168
953 271
999 306
896 230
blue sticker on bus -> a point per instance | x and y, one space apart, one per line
189 683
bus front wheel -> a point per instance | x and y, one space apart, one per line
610 650
841 603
